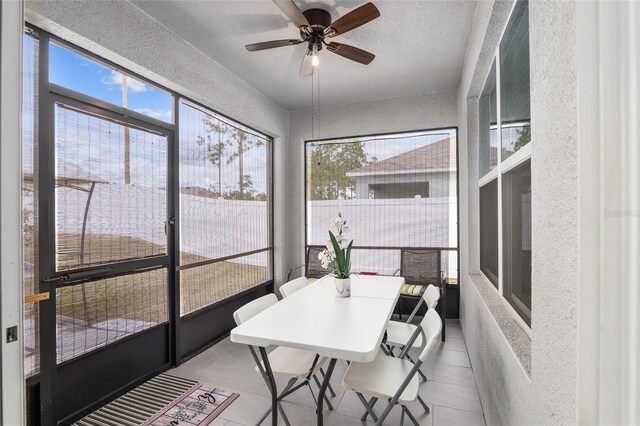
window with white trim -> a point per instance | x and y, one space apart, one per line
505 167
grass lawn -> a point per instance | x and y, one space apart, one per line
143 296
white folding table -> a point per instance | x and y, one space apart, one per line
314 319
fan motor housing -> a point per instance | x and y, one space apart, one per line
318 18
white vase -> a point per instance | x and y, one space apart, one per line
343 287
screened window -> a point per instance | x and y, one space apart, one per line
225 187
77 72
30 201
505 179
397 192
489 231
516 218
515 111
489 124
109 206
102 311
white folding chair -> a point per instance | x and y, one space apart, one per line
292 286
296 364
430 297
399 333
394 379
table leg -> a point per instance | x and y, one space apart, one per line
323 389
272 386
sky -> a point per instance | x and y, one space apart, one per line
79 73
91 144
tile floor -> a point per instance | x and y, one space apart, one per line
450 391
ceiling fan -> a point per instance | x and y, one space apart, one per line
315 25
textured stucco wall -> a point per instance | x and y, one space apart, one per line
509 394
554 187
392 115
121 32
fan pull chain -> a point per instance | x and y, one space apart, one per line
318 70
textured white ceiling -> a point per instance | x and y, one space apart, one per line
419 46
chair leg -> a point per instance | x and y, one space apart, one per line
415 310
424 377
385 413
266 414
370 404
333 394
284 415
402 417
424 405
369 409
413 419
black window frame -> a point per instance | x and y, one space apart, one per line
307 246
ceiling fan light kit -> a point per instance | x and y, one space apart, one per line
315 26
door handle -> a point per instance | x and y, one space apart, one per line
169 222
34 298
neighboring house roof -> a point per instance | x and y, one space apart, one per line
436 157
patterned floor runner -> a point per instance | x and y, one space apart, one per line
164 400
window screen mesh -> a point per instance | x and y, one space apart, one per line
395 192
516 238
488 117
224 207
29 201
96 313
489 231
110 191
205 285
515 108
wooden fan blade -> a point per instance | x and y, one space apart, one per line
353 19
271 44
291 11
306 68
351 52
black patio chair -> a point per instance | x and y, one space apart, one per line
313 267
420 267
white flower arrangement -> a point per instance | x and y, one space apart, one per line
337 253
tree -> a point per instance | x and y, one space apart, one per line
327 169
243 144
27 226
216 149
524 137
